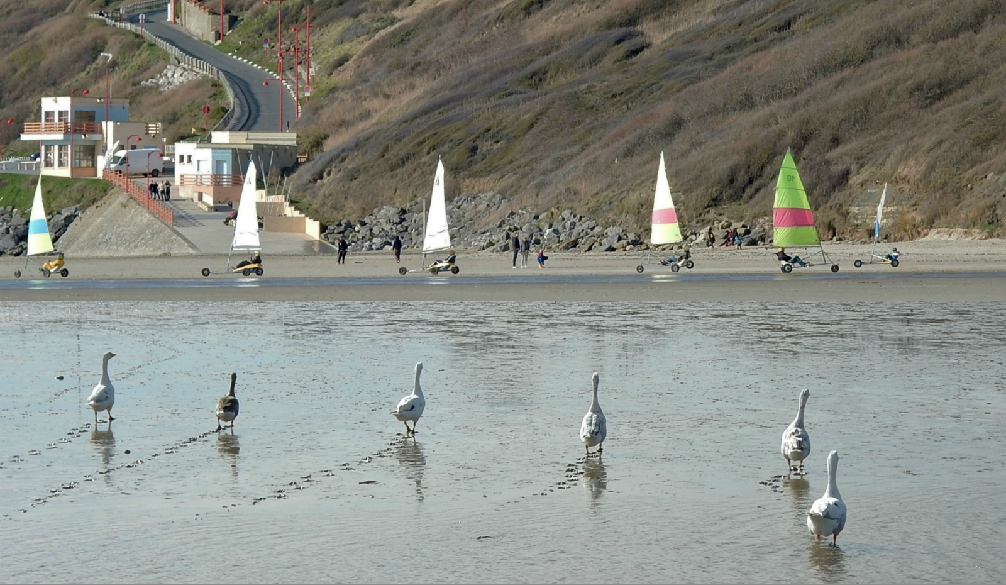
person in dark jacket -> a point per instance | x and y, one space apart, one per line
343 248
396 245
515 245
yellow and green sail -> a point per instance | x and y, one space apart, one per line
664 228
792 219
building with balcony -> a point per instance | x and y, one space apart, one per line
212 172
76 131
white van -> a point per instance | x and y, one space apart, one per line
137 161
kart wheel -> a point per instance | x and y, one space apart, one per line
246 272
639 268
787 268
433 271
259 271
894 263
17 274
675 267
64 273
45 272
858 263
403 271
834 267
206 272
455 270
689 264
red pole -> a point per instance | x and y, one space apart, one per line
296 69
309 44
173 10
221 21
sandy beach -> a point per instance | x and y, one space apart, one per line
930 270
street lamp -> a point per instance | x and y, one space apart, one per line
128 138
9 122
72 157
279 40
221 21
296 68
280 80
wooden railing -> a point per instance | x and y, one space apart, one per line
208 180
62 128
138 192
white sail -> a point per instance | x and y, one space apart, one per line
437 236
664 227
880 214
39 241
246 225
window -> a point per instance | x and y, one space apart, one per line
49 155
63 116
49 116
63 152
83 156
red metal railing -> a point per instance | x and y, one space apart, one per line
138 192
62 128
208 180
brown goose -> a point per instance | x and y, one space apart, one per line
227 407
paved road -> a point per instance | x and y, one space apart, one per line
256 106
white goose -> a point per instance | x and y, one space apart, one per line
826 516
795 440
227 407
411 407
103 395
594 428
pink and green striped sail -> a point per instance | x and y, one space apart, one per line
792 219
664 227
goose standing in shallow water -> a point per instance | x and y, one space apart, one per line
594 427
227 407
411 407
103 395
826 516
795 440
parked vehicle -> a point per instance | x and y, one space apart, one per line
138 162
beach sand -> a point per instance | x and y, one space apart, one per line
930 270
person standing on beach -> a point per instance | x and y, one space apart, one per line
515 244
166 190
343 247
525 249
396 245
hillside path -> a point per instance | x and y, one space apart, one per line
256 106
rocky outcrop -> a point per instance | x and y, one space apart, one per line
14 228
172 77
554 229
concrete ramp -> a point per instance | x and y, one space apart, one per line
119 226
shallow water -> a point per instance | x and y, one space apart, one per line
317 484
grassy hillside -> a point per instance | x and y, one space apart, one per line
18 191
569 102
49 48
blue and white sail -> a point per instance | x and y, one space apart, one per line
880 214
39 241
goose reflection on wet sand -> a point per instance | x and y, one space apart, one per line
410 457
595 477
799 491
229 447
104 445
828 562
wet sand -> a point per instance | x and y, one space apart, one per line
317 484
955 270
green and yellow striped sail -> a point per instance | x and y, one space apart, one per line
792 220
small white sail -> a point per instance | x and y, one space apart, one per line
437 235
664 227
880 214
39 241
246 225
